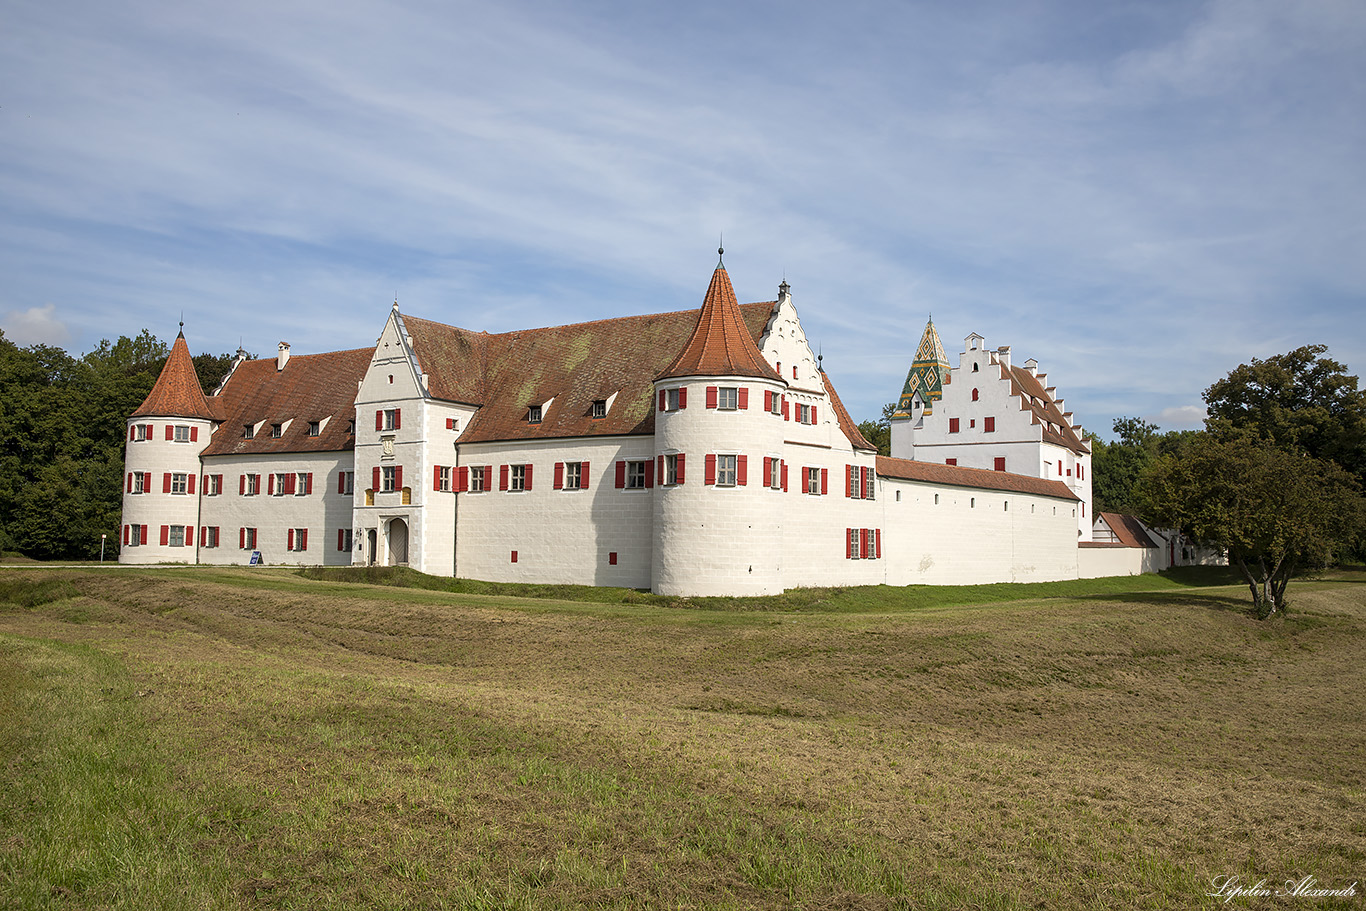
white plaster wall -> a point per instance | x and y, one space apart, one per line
154 508
1100 562
710 539
560 536
814 526
322 512
970 536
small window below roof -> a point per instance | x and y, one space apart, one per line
533 414
314 428
248 431
277 431
599 408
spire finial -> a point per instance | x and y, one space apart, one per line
721 252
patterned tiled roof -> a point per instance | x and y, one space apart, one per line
958 476
176 393
720 344
1057 429
926 376
311 387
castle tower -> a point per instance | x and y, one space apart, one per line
924 386
718 450
161 490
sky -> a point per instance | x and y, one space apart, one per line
1139 195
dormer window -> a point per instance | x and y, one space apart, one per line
599 408
351 426
314 428
533 414
248 431
277 431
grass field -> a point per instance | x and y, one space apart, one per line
231 738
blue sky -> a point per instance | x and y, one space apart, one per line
1138 195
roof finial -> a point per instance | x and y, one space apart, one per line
182 323
721 252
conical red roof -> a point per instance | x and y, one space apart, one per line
177 393
720 345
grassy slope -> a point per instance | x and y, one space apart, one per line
256 739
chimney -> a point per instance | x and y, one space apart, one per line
282 357
1003 355
1032 366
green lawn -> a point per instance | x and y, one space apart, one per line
232 738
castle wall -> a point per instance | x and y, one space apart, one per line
158 504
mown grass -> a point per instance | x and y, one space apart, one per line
245 739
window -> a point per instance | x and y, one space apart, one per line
953 425
246 538
179 485
213 485
775 473
817 481
974 395
133 535
600 408
346 482
479 478
869 483
988 425
389 419
635 475
182 433
303 483
803 414
672 472
1000 464
388 478
314 428
277 431
1081 472
137 482
441 478
142 432
250 485
573 476
453 424
176 536
520 476
533 414
248 431
208 536
794 371
351 427
950 461
726 472
297 539
727 398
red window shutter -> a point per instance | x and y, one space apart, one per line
743 396
768 471
784 472
165 535
464 480
583 476
130 487
241 485
953 425
398 477
813 415
877 535
189 535
241 539
341 482
514 556
612 558
502 477
374 479
270 484
398 418
290 480
170 432
126 532
379 419
1059 467
711 396
308 484
528 478
663 399
682 397
142 537
1000 464
768 399
950 461
190 482
621 474
848 480
436 477
559 476
679 461
303 539
194 434
864 549
166 482
649 474
863 474
825 481
131 434
291 539
848 544
341 538
989 425
709 475
787 416
660 469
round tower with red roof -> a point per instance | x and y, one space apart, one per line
718 453
162 487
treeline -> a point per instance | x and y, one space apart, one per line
63 421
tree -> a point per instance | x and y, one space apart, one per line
879 432
1273 511
1117 466
1301 401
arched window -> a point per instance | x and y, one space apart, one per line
974 395
974 366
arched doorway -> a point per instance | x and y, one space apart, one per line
373 548
397 540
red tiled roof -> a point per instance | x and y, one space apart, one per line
453 358
1036 398
720 344
312 387
176 393
934 473
847 425
1128 530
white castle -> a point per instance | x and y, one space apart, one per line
694 452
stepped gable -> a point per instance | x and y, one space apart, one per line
720 344
572 366
176 393
311 387
847 425
958 476
1036 398
454 359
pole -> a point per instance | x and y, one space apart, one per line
102 537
